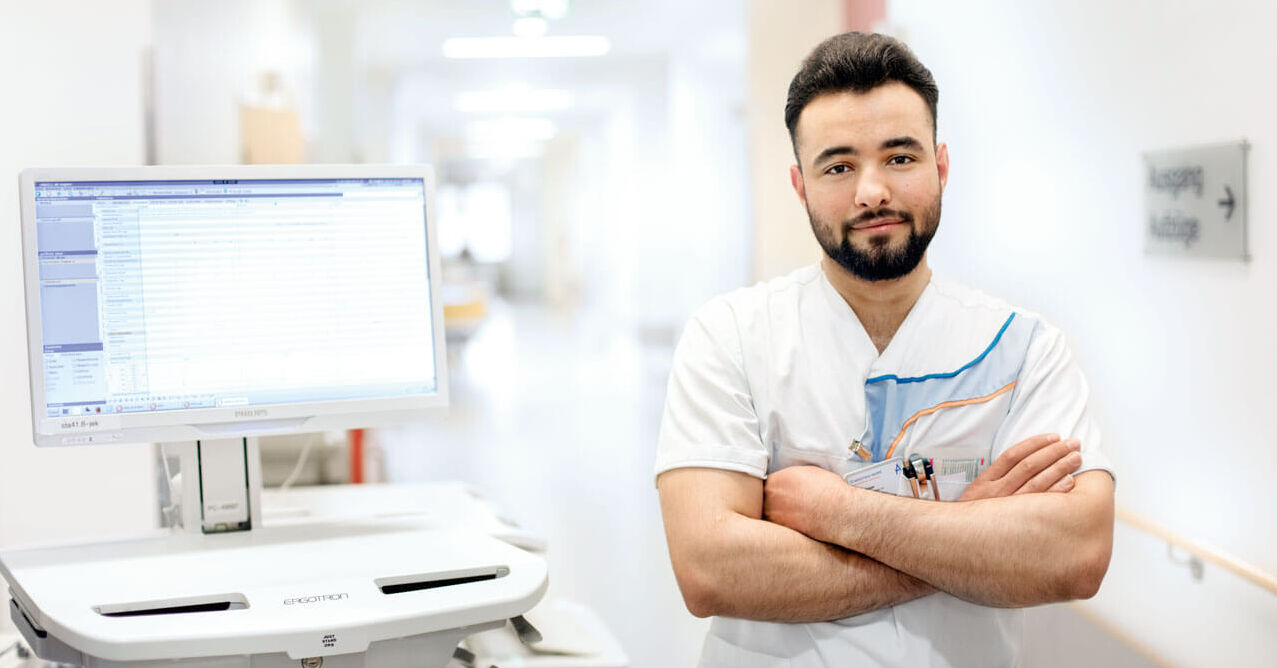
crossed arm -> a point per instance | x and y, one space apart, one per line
809 547
731 562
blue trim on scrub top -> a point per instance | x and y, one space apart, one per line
890 405
951 374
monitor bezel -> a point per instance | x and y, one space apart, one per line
222 422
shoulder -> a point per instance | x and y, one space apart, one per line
953 295
1024 328
744 309
956 299
974 325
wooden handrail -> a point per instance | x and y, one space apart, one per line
1080 608
1246 571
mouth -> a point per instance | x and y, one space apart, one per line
879 225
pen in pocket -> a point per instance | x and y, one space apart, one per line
912 474
931 479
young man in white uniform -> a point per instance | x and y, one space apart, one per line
780 389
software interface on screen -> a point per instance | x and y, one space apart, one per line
176 295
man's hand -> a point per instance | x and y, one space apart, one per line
1041 463
803 498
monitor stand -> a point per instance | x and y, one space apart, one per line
226 592
212 485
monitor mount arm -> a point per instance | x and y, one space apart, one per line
211 485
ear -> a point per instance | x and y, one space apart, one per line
942 163
796 179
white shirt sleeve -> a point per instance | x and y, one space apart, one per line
1051 396
709 418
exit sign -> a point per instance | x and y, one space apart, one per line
1195 201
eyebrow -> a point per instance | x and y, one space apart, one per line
902 142
833 151
895 142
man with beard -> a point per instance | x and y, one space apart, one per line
780 390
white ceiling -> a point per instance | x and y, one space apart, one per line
399 43
399 33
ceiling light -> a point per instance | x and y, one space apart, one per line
527 47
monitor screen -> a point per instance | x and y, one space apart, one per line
180 303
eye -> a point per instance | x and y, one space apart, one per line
901 160
840 168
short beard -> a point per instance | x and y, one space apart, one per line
880 262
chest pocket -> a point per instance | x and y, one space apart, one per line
956 433
959 438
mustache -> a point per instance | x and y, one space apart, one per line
869 216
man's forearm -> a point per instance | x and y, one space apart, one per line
1013 551
759 570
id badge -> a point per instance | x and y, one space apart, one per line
884 476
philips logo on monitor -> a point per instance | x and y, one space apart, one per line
254 413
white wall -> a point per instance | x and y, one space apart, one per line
210 57
709 234
73 96
1046 108
199 81
687 203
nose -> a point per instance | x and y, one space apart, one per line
871 190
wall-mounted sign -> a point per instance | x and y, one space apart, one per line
1195 201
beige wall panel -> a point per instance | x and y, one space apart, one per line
780 36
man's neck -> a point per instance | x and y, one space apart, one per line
879 305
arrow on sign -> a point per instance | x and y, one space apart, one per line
1230 203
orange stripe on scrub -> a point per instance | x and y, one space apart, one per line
948 404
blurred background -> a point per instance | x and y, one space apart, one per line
623 162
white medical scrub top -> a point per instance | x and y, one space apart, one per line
783 374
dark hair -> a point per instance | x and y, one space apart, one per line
858 62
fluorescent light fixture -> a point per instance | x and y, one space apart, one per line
530 26
571 46
514 99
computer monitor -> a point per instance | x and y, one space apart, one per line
189 303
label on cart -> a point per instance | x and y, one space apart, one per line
316 599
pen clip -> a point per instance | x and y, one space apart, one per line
931 477
912 474
925 474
